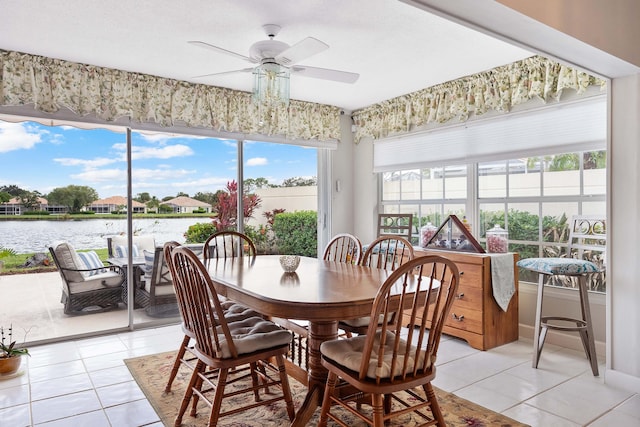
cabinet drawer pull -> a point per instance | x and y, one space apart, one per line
460 295
457 318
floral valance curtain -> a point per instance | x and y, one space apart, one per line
498 89
108 94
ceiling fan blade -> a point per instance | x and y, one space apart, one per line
219 50
325 74
300 51
244 70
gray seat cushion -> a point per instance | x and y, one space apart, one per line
348 353
253 334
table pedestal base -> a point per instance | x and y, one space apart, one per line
318 333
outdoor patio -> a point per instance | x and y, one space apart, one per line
31 302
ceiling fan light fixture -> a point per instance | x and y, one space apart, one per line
271 84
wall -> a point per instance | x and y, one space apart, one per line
624 228
607 25
365 201
290 198
341 180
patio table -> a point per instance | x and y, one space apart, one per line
321 292
137 264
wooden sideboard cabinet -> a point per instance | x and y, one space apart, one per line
475 316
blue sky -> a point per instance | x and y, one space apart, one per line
41 158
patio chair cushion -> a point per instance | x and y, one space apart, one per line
91 261
109 279
348 353
253 334
148 262
141 243
68 257
122 252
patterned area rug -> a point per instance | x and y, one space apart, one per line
151 373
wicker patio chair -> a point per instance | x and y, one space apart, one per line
87 289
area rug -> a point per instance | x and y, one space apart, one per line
151 373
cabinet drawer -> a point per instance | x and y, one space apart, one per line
471 275
468 297
469 320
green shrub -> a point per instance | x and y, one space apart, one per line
198 233
36 213
296 233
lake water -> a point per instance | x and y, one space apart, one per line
37 236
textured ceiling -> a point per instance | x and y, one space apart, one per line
396 48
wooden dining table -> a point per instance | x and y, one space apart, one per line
322 292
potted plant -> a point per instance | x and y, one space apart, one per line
10 355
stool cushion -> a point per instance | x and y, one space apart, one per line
568 266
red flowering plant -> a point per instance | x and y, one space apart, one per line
227 207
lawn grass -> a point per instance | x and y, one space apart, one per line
12 263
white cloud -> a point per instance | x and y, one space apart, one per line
100 175
163 137
87 164
18 136
139 176
163 152
257 161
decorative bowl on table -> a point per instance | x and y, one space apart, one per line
289 263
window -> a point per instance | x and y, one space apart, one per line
533 198
430 194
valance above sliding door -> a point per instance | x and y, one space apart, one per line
41 87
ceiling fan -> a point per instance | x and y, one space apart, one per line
272 51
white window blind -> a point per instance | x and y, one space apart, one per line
577 126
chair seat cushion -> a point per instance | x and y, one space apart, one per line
109 279
566 266
361 321
235 312
253 334
348 353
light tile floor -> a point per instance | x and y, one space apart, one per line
85 383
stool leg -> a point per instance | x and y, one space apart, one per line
538 339
588 340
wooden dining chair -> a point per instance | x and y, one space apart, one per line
389 362
228 244
343 248
385 252
185 356
230 352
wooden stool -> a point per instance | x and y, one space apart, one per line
547 267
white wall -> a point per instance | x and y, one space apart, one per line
365 201
290 198
624 229
341 181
